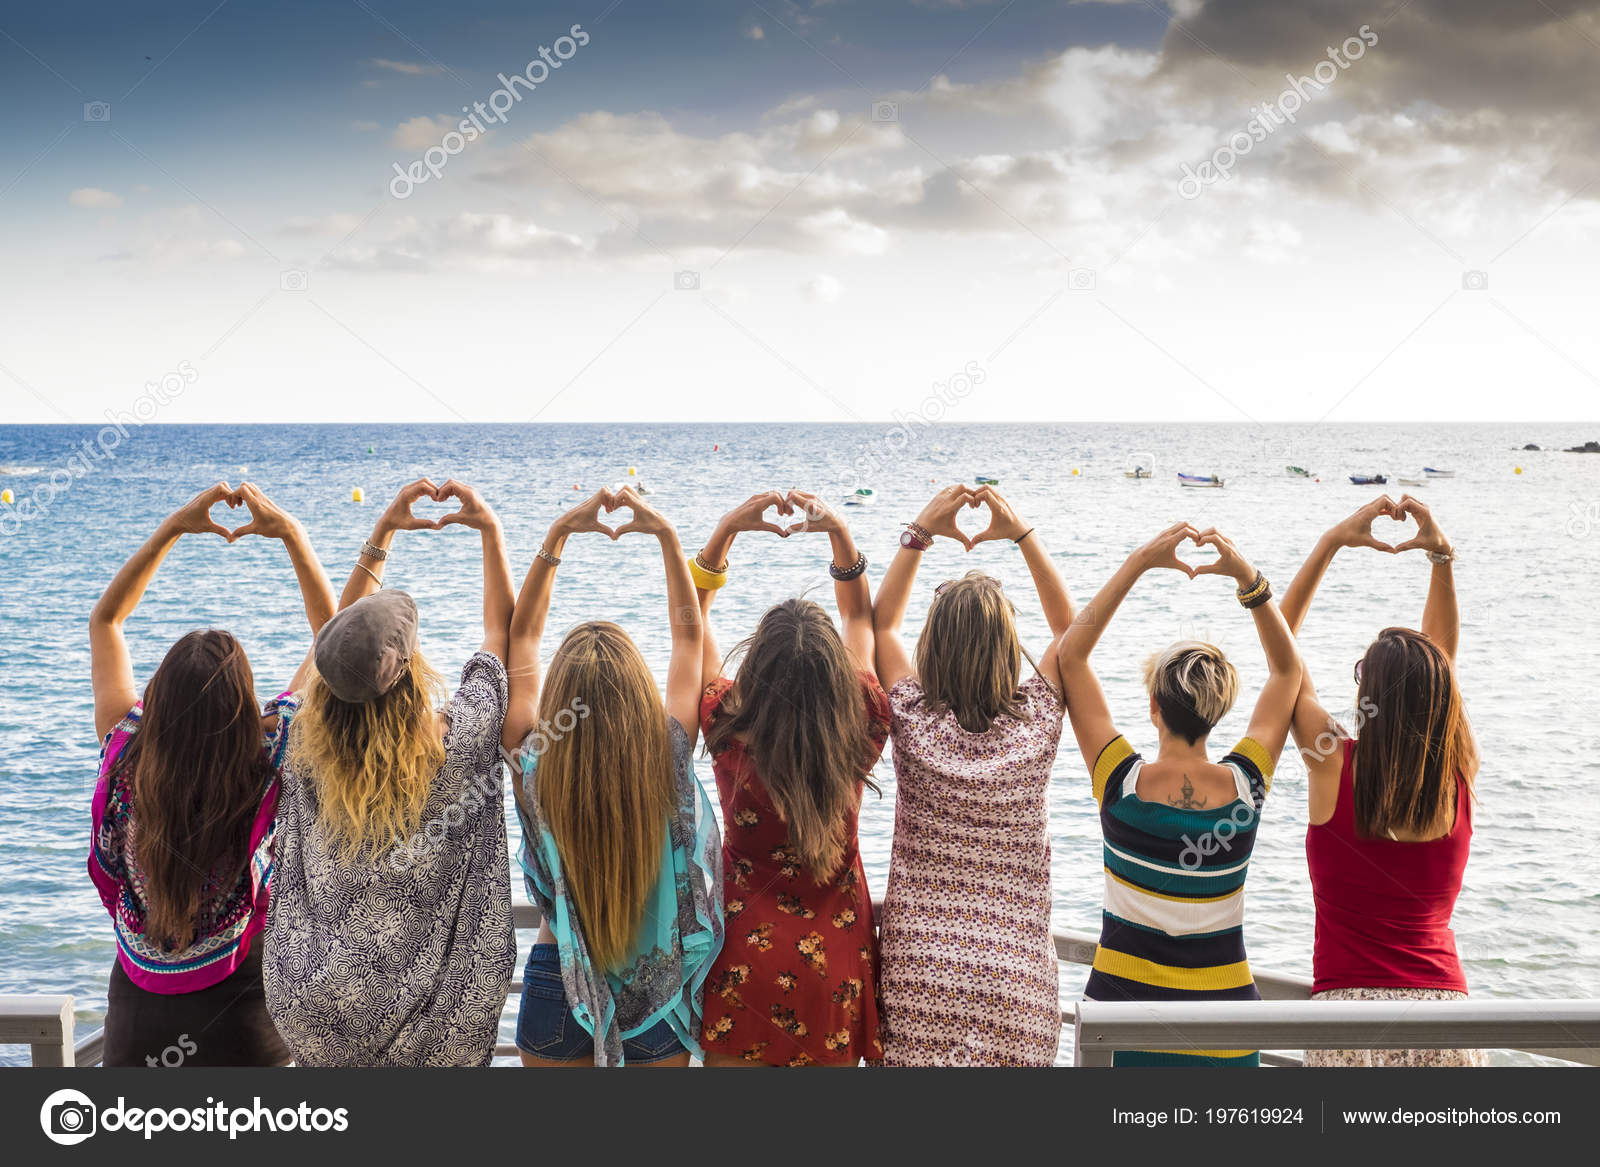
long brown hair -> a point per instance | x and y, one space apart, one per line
373 761
797 706
1417 741
197 773
968 657
606 787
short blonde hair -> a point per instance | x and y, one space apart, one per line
1194 685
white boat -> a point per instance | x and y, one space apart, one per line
1138 472
1403 480
1199 480
864 496
1297 472
1139 465
1432 473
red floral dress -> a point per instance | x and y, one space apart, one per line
796 981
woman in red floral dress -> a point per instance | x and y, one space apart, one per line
793 738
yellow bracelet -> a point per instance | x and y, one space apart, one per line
706 581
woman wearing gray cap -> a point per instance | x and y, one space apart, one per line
390 942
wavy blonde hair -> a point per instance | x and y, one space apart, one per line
374 762
1194 684
968 658
606 787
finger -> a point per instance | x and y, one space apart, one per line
444 521
417 489
1207 569
1373 541
237 532
218 529
1408 545
774 528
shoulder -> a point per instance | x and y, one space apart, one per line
117 736
1250 758
1043 698
877 702
711 699
905 696
1112 765
485 670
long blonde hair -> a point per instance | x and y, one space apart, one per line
374 762
969 660
606 787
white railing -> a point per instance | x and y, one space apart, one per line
43 1023
1557 1028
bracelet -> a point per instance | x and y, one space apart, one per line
1249 589
700 558
1256 602
552 560
1024 535
1442 557
1257 594
706 581
916 538
846 574
372 551
370 572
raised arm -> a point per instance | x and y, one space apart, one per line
1356 531
894 593
1269 722
1004 524
683 610
1441 616
111 667
366 576
852 594
1086 701
498 598
713 563
270 521
531 611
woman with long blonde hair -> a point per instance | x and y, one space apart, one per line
793 736
391 943
969 968
620 850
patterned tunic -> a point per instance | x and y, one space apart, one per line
1172 928
403 960
969 973
796 983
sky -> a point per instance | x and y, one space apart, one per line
826 210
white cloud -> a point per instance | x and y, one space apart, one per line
824 289
410 68
419 133
95 198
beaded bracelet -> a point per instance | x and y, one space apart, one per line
846 574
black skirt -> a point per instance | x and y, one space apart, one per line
225 1025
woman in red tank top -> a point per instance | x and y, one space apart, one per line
1390 811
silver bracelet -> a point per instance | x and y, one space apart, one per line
370 572
1441 557
552 560
374 552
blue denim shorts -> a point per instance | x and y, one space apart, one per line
547 1029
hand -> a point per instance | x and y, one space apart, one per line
1229 560
1356 531
1428 536
586 517
267 519
194 516
747 516
473 513
939 516
645 517
818 515
1162 551
397 515
1003 521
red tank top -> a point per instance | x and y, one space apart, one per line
1383 906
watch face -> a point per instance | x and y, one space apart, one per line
907 539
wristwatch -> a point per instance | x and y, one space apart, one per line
909 539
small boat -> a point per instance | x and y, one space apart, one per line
1139 465
1369 479
1199 480
1297 472
1138 472
864 496
987 480
1432 473
1404 481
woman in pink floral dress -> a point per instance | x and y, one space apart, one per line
968 967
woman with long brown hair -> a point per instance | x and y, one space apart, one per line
183 811
793 737
969 969
620 849
1391 808
389 937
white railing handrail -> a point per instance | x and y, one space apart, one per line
42 1022
1557 1027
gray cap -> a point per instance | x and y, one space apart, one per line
363 650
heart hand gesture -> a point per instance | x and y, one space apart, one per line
1230 561
194 516
267 519
1428 537
1162 551
1003 521
750 515
1356 531
645 518
473 512
586 517
397 515
939 516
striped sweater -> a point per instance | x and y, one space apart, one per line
1172 927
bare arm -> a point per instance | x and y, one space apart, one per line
714 553
853 597
683 610
1441 616
894 593
270 521
498 598
1047 582
366 576
111 666
530 613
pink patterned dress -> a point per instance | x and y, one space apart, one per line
968 972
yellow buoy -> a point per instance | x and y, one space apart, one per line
632 470
1074 471
1518 470
357 495
5 497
